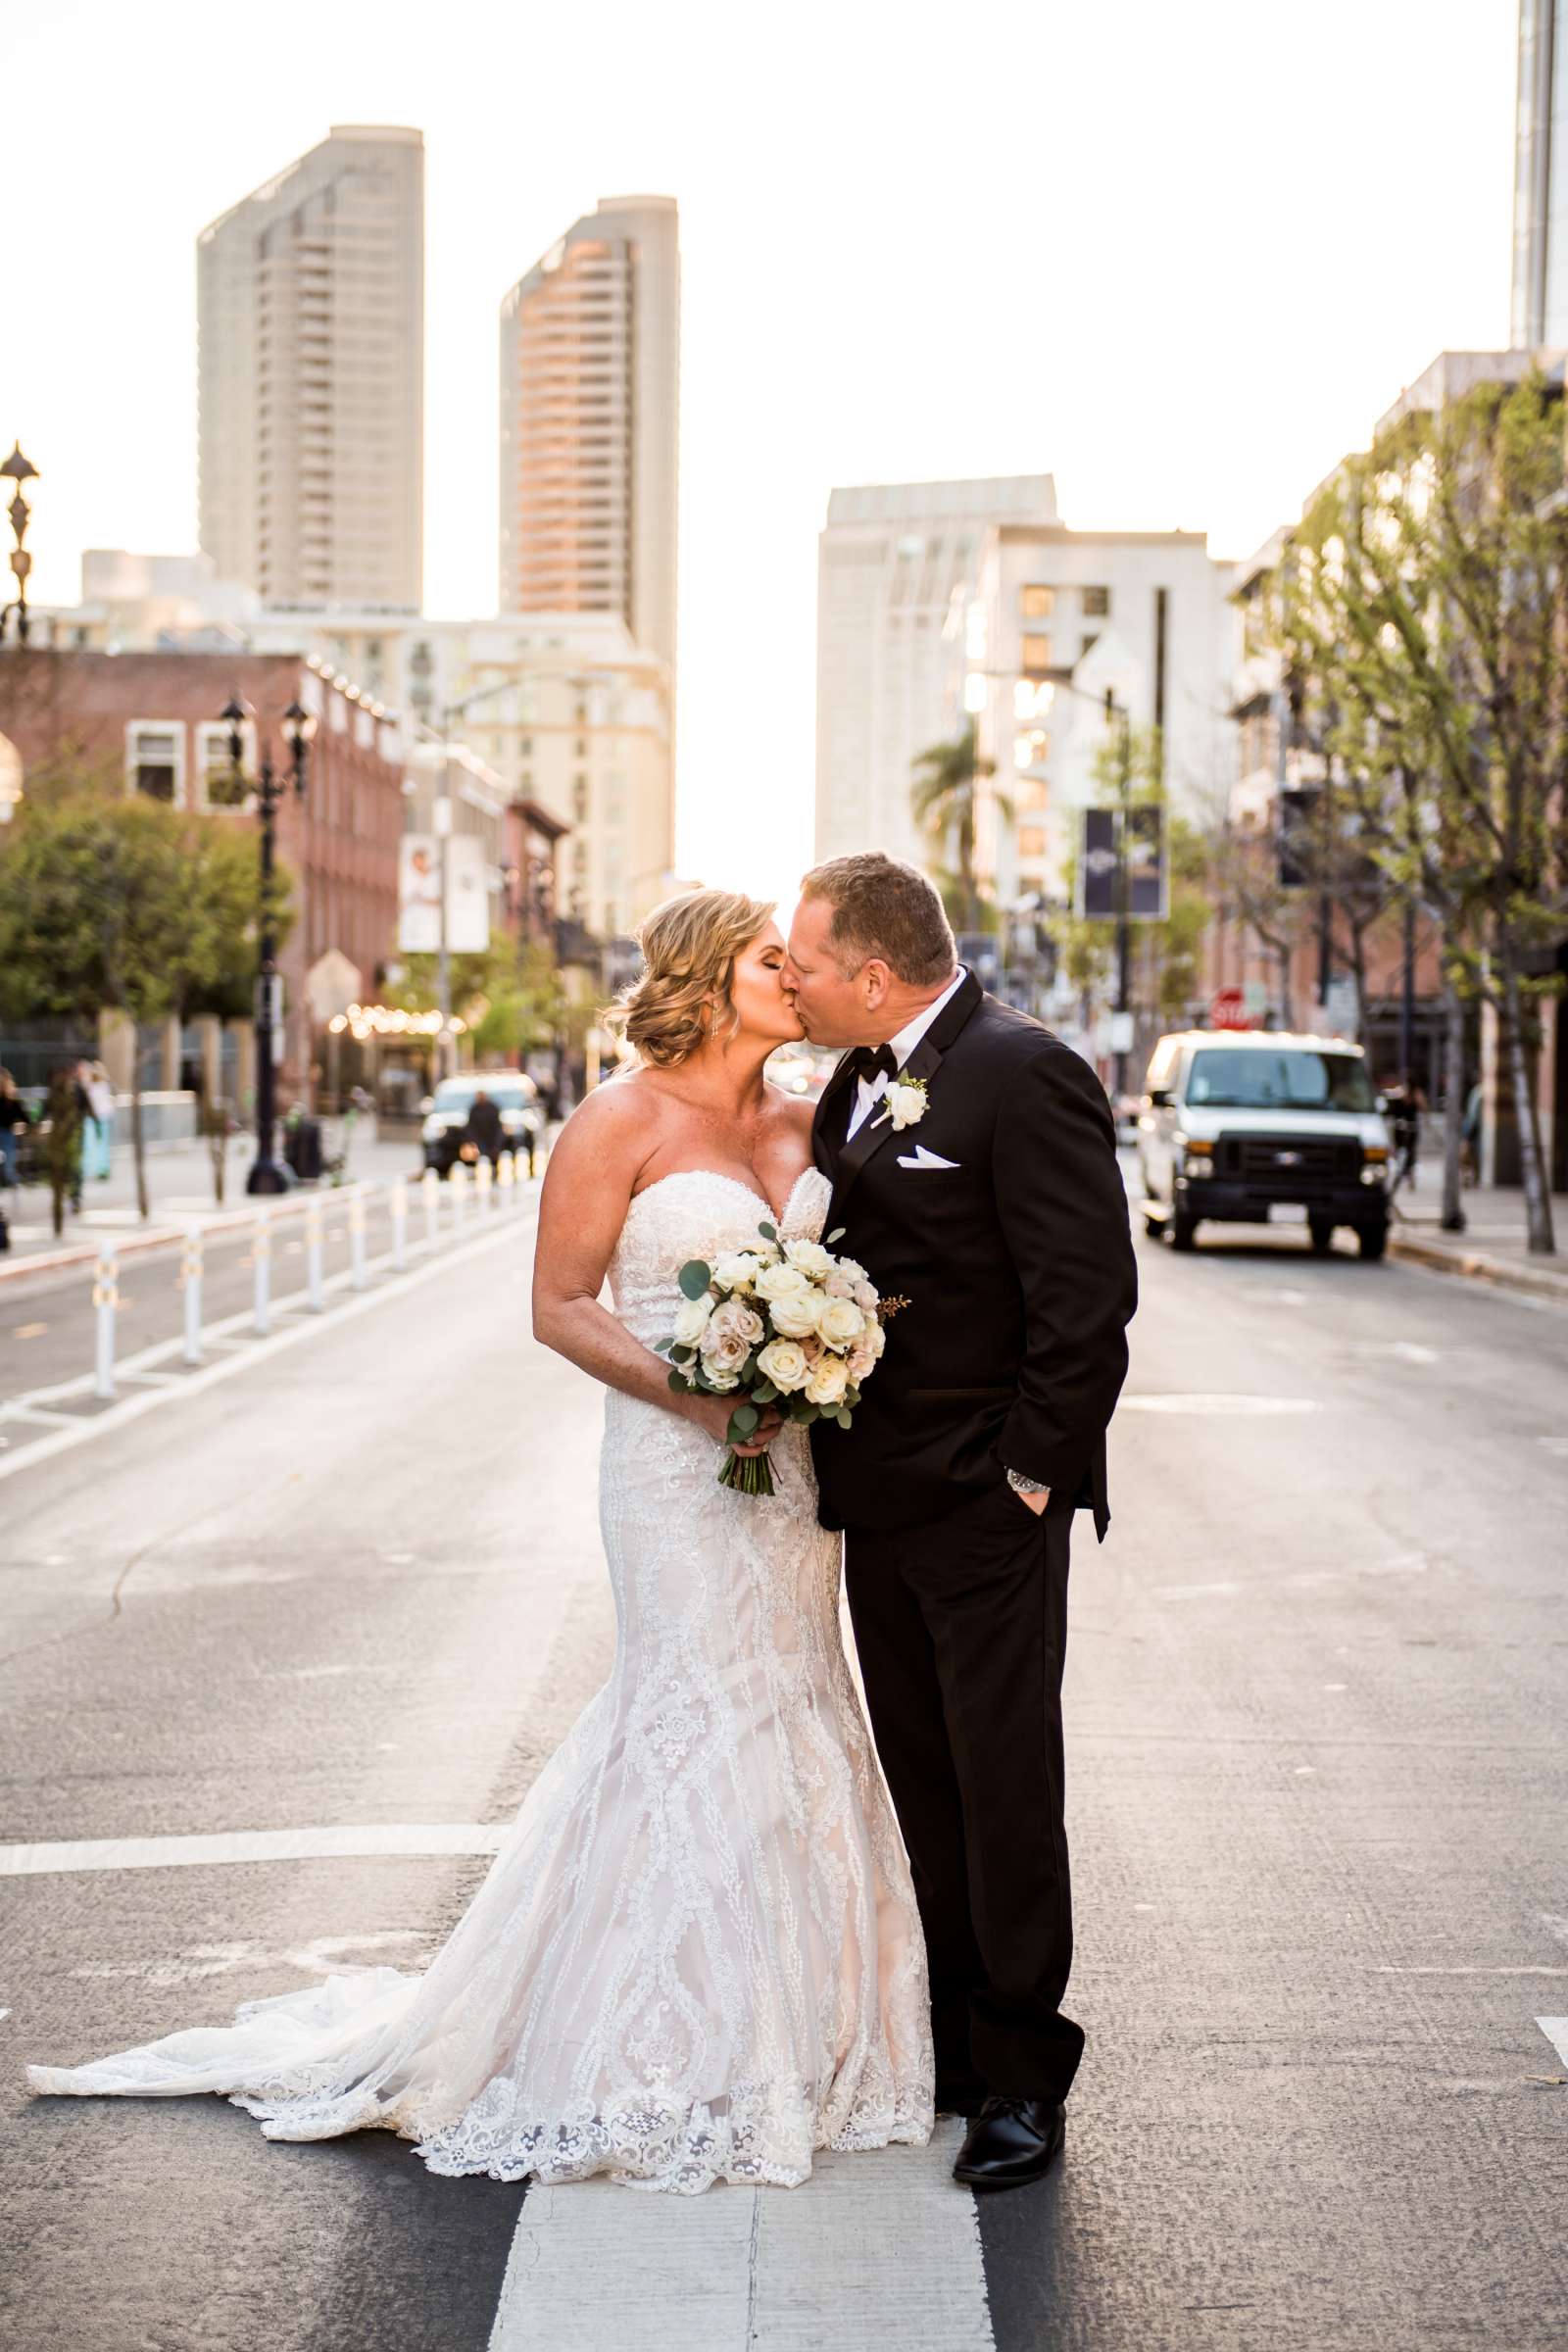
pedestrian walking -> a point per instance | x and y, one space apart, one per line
98 1139
1470 1137
483 1132
13 1118
66 1113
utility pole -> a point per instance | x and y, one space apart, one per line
1122 722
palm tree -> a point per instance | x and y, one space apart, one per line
945 797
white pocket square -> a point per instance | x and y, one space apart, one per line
920 1158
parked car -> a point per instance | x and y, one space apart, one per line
445 1114
1237 1123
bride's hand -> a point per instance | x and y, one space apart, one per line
712 1414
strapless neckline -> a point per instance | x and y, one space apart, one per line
780 1216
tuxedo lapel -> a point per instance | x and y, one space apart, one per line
923 1063
831 1117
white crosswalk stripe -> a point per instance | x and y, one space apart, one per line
878 2246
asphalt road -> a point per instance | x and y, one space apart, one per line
1317 1745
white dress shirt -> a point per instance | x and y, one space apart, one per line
870 1092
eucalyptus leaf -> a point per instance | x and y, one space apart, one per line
842 1418
680 1382
745 1417
664 1347
837 1235
764 1392
769 1233
693 1278
679 1353
805 1414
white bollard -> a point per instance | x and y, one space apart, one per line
190 1280
357 1237
105 1301
398 1200
430 1187
261 1260
459 1182
483 1182
507 1181
312 1254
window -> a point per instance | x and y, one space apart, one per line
579 798
1096 602
582 747
155 761
1036 656
1039 602
1031 841
220 788
1031 750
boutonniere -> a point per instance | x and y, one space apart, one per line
905 1101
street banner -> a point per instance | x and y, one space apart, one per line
468 900
1147 898
418 894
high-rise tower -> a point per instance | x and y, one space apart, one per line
1539 308
590 414
311 321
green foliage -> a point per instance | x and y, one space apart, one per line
511 998
945 797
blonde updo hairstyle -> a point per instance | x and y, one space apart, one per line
682 996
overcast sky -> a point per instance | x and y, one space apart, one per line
1180 257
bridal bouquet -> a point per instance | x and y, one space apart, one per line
783 1323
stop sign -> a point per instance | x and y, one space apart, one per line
1228 1009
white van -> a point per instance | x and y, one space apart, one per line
1237 1123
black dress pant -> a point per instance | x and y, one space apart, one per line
962 1628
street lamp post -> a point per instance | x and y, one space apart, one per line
266 1174
18 470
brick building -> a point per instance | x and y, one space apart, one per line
150 723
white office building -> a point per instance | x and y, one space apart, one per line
894 565
1142 614
590 423
310 324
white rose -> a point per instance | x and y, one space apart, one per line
853 1269
737 1270
839 1284
735 1318
691 1319
906 1104
796 1313
781 1282
865 1294
861 1358
810 1257
840 1322
828 1381
722 1381
783 1362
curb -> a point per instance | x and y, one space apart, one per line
1477 1266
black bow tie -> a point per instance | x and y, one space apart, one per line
866 1060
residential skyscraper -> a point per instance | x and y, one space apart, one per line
590 413
893 567
1539 308
310 324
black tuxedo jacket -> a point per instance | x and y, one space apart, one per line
1016 1262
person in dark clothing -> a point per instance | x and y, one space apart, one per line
483 1130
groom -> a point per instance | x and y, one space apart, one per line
985 1192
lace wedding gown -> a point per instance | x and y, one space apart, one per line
696 1956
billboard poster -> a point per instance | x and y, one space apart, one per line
1146 900
420 895
467 899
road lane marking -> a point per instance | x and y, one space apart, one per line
1232 1407
1555 2029
878 2243
1393 1968
350 1840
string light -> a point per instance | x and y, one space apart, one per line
363 1021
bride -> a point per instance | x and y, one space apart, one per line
696 1956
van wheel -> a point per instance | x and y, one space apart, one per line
1183 1229
1321 1230
1374 1240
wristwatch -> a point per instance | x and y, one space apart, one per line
1027 1485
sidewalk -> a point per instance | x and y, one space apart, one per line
179 1187
1491 1249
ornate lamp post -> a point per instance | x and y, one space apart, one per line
266 1174
18 470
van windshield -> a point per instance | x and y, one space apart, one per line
1233 1078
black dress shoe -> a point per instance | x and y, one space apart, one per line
1010 2141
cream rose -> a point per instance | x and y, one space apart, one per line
783 1362
840 1322
781 1282
810 1257
906 1104
865 1296
861 1360
838 1283
796 1313
691 1319
828 1381
723 1350
737 1270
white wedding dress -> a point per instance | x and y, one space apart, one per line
696 1956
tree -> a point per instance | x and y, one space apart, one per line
1425 601
510 997
109 903
945 797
